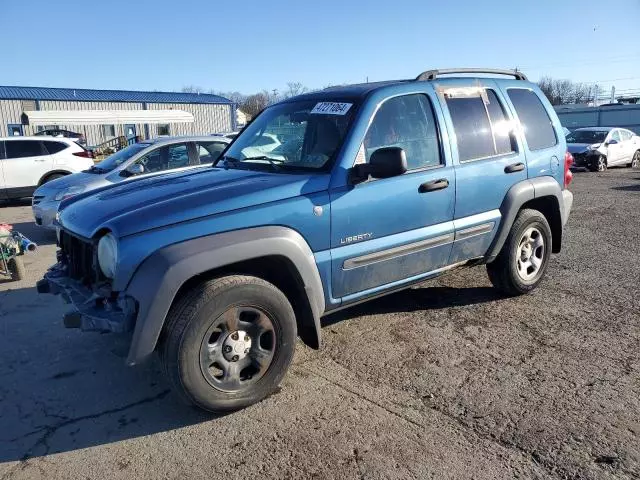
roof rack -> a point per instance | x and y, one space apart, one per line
432 74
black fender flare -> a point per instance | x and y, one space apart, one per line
157 280
517 196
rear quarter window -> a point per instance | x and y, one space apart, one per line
536 124
54 147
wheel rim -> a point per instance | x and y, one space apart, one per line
635 162
602 164
530 254
238 348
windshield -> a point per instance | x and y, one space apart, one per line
303 135
587 136
120 157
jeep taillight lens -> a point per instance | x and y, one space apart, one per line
568 174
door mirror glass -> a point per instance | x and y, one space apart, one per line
384 163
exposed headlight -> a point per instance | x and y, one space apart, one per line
69 192
108 255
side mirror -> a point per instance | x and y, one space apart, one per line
133 169
612 142
384 163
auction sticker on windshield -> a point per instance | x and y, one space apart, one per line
331 108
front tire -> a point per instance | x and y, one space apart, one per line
228 342
522 262
599 164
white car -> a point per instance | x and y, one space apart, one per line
28 162
598 148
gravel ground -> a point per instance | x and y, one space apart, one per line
446 380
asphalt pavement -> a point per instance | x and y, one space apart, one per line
445 380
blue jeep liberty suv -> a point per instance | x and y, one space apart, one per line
371 189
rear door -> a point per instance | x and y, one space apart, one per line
488 161
25 164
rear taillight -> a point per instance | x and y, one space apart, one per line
568 174
84 154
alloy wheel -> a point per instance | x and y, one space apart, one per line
530 254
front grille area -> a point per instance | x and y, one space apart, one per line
79 256
36 199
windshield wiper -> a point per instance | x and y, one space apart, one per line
274 162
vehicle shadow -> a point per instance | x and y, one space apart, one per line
420 298
64 390
628 188
39 235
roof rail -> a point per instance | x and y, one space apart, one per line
432 74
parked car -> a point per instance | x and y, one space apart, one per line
143 159
29 162
598 148
395 182
61 133
229 135
566 131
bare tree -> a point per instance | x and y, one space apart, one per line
254 104
562 92
191 89
294 88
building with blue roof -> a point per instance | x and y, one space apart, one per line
104 115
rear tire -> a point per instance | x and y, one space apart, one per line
635 161
228 342
52 177
16 268
521 264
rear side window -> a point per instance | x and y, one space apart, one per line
24 148
537 126
54 147
481 126
407 122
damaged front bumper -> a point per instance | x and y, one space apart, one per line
96 309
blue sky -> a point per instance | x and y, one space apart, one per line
251 45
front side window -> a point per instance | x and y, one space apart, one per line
407 122
24 148
299 135
535 121
616 136
209 152
625 135
165 158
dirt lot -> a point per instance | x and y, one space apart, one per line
446 380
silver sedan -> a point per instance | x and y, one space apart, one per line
149 157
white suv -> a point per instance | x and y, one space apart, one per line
28 162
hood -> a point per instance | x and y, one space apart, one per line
577 147
73 180
162 200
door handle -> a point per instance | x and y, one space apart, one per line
434 185
39 160
516 167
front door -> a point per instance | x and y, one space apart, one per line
130 133
386 231
615 151
25 163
